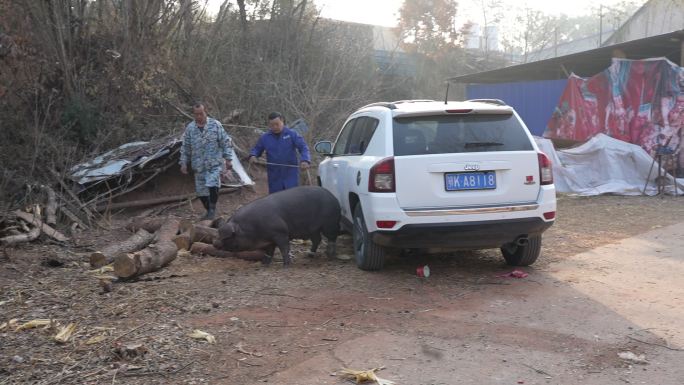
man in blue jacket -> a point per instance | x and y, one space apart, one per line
281 145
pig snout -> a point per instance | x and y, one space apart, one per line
226 237
218 244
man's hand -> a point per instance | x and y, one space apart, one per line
304 165
229 164
252 159
184 169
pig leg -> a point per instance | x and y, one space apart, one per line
331 249
268 254
315 241
283 244
330 233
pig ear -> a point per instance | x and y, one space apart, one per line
231 230
235 230
227 231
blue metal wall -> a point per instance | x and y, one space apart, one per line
534 101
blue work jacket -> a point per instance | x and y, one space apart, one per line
282 149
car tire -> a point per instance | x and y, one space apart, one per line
522 255
369 256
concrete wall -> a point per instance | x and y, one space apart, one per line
656 17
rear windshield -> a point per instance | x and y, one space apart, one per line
418 135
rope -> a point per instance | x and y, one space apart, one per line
249 167
275 164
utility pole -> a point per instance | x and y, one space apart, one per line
600 42
555 42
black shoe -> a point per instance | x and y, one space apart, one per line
211 212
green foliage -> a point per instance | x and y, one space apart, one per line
81 119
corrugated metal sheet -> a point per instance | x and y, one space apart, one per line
534 101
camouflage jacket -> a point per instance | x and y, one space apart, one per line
205 148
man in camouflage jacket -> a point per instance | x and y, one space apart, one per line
209 149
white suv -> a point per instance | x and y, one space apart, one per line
424 174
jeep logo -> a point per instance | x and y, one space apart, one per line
471 167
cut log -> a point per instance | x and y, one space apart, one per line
203 234
207 249
150 225
135 242
205 223
184 239
153 201
152 258
168 230
51 210
142 202
49 231
21 238
216 223
184 225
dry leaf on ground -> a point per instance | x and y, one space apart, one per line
200 335
34 324
65 333
361 376
96 339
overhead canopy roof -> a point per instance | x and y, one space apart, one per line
585 64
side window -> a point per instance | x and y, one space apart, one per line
362 134
343 140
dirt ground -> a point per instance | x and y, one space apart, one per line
563 324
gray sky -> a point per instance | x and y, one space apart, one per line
384 12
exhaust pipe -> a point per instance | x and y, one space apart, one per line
521 241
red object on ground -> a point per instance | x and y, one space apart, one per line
423 271
514 274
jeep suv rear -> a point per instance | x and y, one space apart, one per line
426 174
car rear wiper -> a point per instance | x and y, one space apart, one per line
482 144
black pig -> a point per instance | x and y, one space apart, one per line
298 213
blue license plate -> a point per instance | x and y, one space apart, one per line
485 180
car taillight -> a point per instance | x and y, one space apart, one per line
460 111
385 224
381 178
545 169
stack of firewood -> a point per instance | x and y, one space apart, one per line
156 242
22 226
46 210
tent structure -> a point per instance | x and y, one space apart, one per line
605 165
636 101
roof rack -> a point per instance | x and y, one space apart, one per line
389 105
393 105
413 101
497 102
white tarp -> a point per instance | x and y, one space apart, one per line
604 165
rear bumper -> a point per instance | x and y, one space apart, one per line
461 235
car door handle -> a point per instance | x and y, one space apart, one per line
335 165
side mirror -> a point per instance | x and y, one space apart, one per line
324 147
